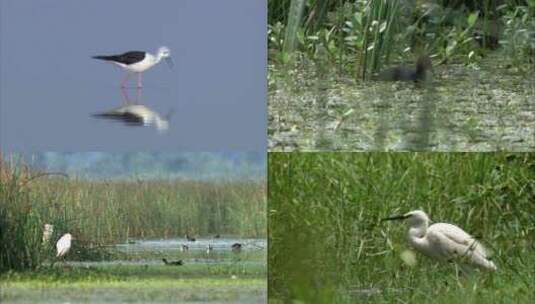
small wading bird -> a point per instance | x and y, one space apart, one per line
209 249
63 245
443 241
402 73
173 263
47 233
184 248
137 115
138 62
236 247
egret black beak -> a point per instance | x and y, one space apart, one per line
170 62
394 218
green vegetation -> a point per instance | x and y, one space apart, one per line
137 283
327 243
103 212
325 58
361 36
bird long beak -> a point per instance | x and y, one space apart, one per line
170 62
394 218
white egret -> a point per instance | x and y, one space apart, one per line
47 233
63 245
443 241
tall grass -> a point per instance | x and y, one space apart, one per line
361 36
327 243
380 27
104 212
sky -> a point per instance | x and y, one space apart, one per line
50 86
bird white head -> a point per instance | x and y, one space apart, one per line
165 53
414 218
417 219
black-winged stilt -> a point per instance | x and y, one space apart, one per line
138 62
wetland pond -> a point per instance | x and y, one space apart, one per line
138 275
487 107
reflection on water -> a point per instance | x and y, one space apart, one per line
462 109
133 113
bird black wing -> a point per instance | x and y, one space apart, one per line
126 117
126 58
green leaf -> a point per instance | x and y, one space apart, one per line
472 19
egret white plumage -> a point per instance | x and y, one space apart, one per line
443 241
47 232
138 62
63 245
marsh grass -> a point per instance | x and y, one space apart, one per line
100 213
327 242
362 36
137 284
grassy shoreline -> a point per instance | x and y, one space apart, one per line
325 227
136 284
99 213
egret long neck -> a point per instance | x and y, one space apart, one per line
417 235
159 57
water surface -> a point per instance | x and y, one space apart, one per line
465 108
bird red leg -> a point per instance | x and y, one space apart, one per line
125 95
139 85
123 83
138 97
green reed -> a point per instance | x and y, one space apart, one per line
361 36
104 212
327 242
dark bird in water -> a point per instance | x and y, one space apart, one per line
189 238
217 236
173 263
402 73
236 247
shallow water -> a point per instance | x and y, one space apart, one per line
219 244
221 276
465 108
